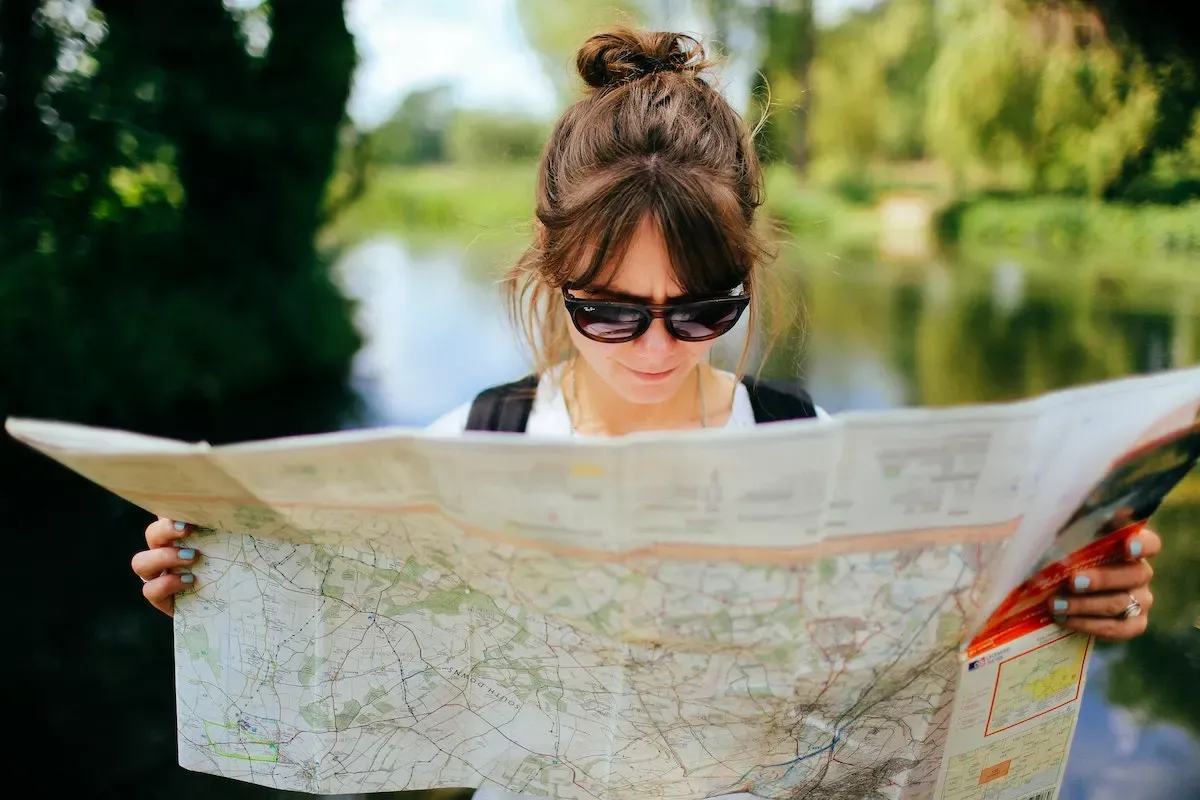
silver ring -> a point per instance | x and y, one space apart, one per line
1132 610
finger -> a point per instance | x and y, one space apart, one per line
162 590
1116 577
1145 545
1105 604
149 564
1108 628
163 531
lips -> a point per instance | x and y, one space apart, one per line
651 377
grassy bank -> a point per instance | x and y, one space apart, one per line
496 203
813 215
1072 226
447 201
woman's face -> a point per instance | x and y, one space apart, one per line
652 367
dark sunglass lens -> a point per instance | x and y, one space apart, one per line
705 321
608 322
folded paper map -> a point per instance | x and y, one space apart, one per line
850 608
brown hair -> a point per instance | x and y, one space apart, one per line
650 136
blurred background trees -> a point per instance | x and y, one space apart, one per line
183 167
161 185
176 165
1019 96
958 104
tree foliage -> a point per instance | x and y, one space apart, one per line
416 132
1080 97
1038 99
428 129
869 80
488 137
1007 94
161 186
782 88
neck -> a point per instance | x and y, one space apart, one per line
597 410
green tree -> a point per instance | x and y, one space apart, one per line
869 81
1039 97
157 224
162 174
488 137
1093 114
27 58
416 133
1163 34
982 88
783 87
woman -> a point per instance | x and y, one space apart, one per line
645 252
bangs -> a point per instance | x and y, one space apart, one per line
701 222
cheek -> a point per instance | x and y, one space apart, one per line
594 353
696 351
689 354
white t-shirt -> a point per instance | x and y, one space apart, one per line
549 417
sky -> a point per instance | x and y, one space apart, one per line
475 45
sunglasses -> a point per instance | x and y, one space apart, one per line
614 322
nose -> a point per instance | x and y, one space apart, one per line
656 341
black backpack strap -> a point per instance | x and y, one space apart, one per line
775 401
503 408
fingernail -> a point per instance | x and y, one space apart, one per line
179 526
187 577
1060 604
1135 548
1059 619
1082 582
187 553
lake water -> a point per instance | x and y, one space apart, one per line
92 688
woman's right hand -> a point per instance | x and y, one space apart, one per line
153 566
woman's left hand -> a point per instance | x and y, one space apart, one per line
1098 600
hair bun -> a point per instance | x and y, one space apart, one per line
620 55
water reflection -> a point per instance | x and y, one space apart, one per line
1120 754
877 339
845 375
433 337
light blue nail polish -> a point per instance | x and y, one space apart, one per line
1082 582
187 577
1060 604
187 554
179 526
1135 549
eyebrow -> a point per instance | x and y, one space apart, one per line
623 297
612 294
